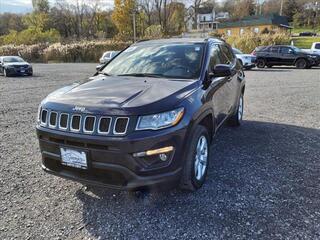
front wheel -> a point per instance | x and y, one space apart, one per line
197 159
236 119
301 63
5 73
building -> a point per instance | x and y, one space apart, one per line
207 19
255 24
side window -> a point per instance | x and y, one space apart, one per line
214 58
227 56
274 49
286 50
317 46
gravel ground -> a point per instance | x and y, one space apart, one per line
263 181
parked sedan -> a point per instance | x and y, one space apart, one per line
14 66
247 60
107 56
286 55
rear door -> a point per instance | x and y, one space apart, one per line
287 56
273 56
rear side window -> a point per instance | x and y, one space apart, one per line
274 49
317 46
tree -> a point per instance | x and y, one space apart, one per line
41 6
291 7
122 17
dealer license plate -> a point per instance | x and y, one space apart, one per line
74 158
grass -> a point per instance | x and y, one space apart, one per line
298 30
304 42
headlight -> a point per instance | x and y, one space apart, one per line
160 120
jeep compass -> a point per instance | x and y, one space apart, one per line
146 119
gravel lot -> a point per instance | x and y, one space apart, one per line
263 182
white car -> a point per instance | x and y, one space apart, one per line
107 56
247 60
315 48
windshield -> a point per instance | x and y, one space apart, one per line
12 59
162 60
236 51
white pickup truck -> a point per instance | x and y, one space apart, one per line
315 49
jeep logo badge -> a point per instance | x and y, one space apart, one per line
79 109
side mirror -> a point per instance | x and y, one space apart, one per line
221 70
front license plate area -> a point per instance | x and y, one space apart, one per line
22 70
74 158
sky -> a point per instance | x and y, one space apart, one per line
23 6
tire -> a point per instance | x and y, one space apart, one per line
261 63
5 73
195 170
236 119
301 64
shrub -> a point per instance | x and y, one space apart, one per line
153 32
80 52
32 53
248 42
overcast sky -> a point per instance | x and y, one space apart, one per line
22 6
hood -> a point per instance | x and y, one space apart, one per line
123 95
16 64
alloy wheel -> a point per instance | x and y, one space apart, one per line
201 158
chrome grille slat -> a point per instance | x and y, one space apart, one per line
120 128
53 118
82 123
75 123
104 125
89 124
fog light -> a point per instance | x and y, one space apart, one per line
163 157
155 152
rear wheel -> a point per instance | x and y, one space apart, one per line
301 63
261 63
197 159
236 119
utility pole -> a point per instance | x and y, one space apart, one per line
281 8
134 26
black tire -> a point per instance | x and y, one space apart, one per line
301 63
189 181
236 119
261 63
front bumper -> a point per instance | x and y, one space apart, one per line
110 159
19 71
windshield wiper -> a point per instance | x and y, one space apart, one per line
155 75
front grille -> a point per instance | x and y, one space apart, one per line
44 115
64 119
75 123
82 123
53 119
89 123
121 125
104 125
